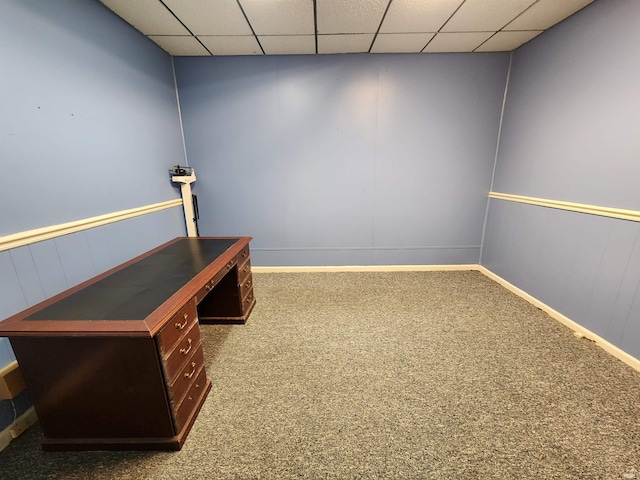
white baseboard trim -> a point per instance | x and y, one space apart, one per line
365 268
578 329
21 423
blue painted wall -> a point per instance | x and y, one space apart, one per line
570 133
89 120
355 159
88 126
352 159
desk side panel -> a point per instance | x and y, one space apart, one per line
95 387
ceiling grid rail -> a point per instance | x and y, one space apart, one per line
308 27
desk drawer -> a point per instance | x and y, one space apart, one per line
186 376
247 302
190 400
244 270
232 263
243 255
184 348
205 290
246 286
179 324
210 285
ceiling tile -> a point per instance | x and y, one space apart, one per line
204 17
150 17
401 42
231 45
179 45
344 26
546 13
457 42
356 43
485 15
417 15
288 44
506 41
280 17
350 16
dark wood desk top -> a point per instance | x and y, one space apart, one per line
135 298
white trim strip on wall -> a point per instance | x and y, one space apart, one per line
39 234
633 215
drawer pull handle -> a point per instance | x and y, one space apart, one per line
229 265
249 298
184 351
208 287
246 269
179 325
193 371
197 385
248 284
245 254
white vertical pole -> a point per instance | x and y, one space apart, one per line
189 214
185 182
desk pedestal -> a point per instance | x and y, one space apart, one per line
127 383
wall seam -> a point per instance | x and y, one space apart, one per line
175 86
495 159
635 295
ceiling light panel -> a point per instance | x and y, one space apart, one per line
546 13
180 45
231 45
350 16
356 43
280 17
206 17
405 16
288 44
150 17
485 15
401 42
506 41
457 42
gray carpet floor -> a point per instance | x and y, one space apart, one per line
425 375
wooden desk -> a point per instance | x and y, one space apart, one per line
117 363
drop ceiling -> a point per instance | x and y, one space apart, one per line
303 27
